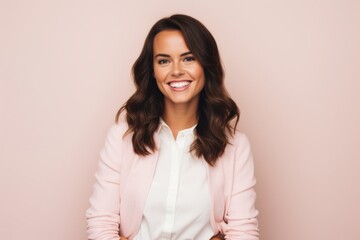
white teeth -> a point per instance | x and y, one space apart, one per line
179 84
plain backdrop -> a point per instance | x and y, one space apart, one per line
293 67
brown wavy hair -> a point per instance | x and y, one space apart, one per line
216 109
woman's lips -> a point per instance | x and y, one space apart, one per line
179 85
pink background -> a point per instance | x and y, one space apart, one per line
292 66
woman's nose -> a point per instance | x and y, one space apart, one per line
177 70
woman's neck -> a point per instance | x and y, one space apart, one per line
180 117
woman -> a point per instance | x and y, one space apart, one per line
173 166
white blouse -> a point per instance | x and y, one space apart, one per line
178 204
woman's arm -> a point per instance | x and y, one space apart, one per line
103 215
241 222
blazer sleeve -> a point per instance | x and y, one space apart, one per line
240 219
103 215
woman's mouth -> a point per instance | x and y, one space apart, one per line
179 85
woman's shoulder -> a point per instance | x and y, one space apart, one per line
239 144
121 124
239 138
119 128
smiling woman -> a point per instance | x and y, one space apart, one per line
179 76
174 166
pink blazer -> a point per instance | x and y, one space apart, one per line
123 181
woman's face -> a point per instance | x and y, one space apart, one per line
179 76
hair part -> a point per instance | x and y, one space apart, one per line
216 109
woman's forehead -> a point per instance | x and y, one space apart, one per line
170 42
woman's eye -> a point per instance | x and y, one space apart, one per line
189 59
163 61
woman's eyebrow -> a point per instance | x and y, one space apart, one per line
185 53
162 55
167 55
